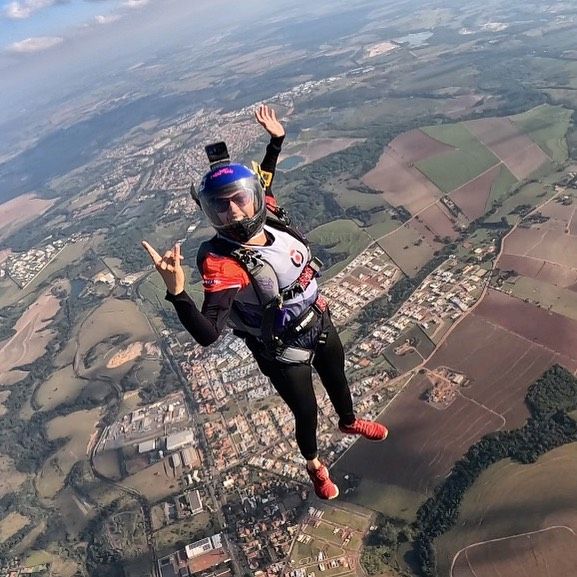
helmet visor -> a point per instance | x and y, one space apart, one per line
244 193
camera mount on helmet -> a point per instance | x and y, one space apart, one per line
217 154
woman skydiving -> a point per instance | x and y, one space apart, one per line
260 279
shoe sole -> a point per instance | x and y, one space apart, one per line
371 440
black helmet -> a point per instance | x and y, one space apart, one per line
236 182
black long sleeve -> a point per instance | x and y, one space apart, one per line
270 159
206 325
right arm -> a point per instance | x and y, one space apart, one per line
222 279
207 324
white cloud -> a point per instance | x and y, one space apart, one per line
34 44
135 3
106 19
20 9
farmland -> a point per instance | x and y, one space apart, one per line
510 499
503 347
451 170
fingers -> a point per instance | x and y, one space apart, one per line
263 113
156 258
177 256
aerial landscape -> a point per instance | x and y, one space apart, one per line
431 160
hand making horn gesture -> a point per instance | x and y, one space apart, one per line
169 267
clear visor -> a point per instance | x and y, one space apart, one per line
245 193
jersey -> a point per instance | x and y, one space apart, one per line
287 255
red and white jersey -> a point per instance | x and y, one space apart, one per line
286 255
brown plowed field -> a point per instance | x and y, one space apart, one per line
517 151
424 441
31 337
415 145
543 244
561 218
433 222
501 361
551 273
555 332
17 212
501 366
473 196
401 184
548 552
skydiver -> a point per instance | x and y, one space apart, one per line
260 279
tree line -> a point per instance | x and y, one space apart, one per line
549 426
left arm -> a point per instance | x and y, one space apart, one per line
266 117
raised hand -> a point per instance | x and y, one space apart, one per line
266 117
169 267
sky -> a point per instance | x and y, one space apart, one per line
47 42
32 26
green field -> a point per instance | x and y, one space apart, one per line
501 186
509 498
390 500
534 194
378 229
547 126
547 296
340 237
453 169
407 249
409 360
347 518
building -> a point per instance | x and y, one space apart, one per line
200 556
147 446
181 439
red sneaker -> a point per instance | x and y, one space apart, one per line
324 487
368 429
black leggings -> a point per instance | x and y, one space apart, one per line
295 386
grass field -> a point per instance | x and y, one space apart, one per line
186 530
113 317
378 229
450 170
10 478
77 428
407 249
347 517
155 482
303 553
547 126
340 237
501 186
533 194
29 539
547 296
353 198
62 386
10 524
390 500
509 498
